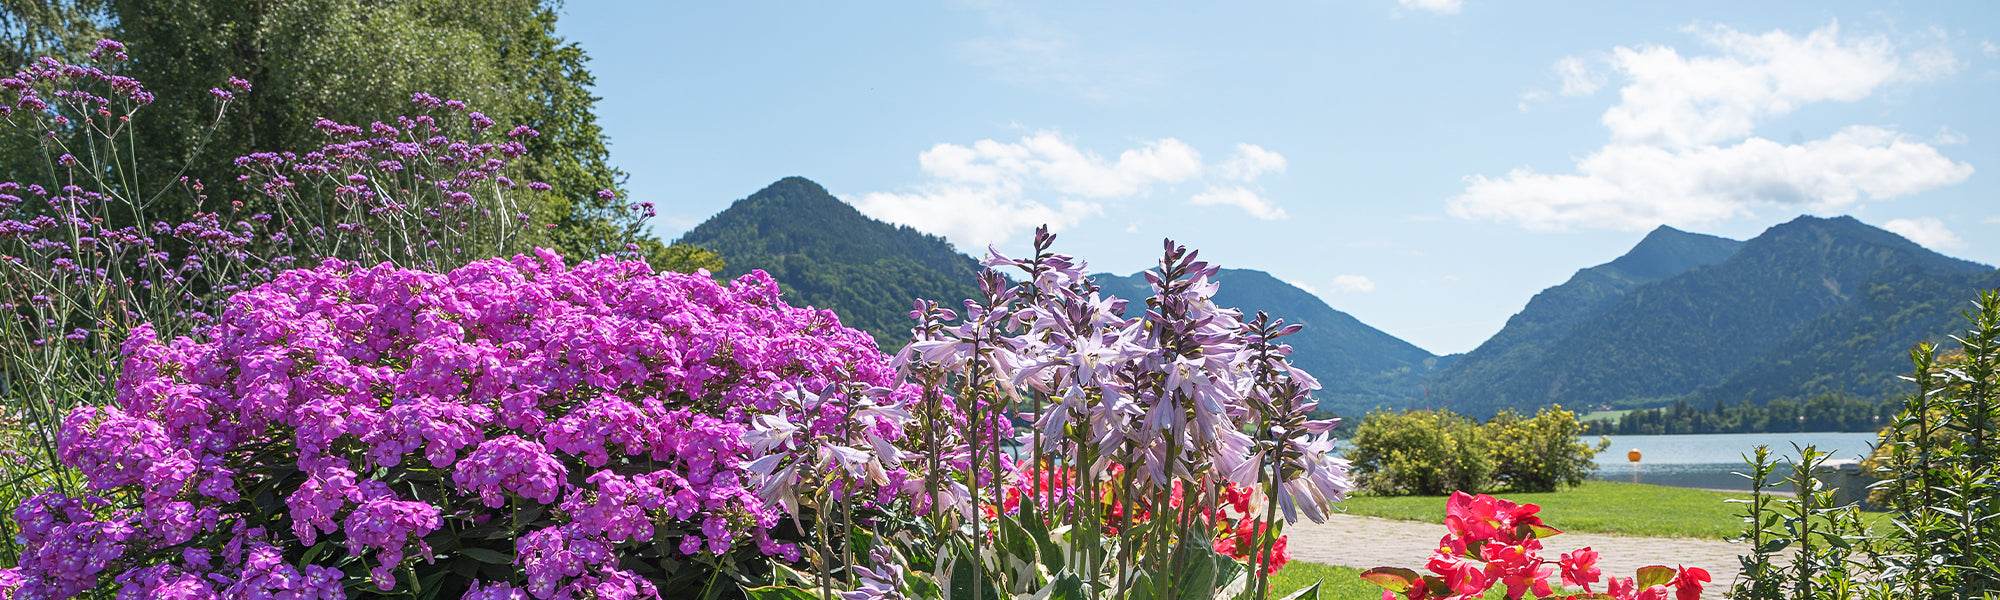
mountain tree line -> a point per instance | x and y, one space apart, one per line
1827 412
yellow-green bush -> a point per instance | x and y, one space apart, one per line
1436 452
1424 452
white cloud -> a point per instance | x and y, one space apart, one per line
1625 186
1047 157
1241 198
1309 288
989 191
1250 162
1353 283
1947 136
1683 150
1441 7
1578 79
1990 49
1682 101
1926 231
972 216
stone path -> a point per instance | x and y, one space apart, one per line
1365 542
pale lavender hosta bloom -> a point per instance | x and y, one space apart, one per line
1172 390
881 581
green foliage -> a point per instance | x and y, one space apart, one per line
824 253
1542 453
1941 462
686 258
1826 412
1436 452
1423 452
351 61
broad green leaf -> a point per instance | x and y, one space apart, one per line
1654 575
963 578
1196 579
1067 587
487 555
1052 556
779 592
921 586
1310 592
1394 579
1140 588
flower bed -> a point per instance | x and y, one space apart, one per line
346 426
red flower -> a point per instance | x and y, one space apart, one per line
1579 568
1241 540
1688 582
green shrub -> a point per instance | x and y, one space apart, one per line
1425 452
1542 453
1437 452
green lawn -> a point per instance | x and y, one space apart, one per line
1335 583
1603 415
1598 506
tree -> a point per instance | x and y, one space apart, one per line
356 61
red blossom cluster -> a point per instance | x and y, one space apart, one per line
1237 528
1497 543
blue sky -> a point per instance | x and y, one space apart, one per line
1426 165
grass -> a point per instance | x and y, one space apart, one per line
1335 583
1603 415
1598 507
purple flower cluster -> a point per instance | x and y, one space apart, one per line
1185 393
632 410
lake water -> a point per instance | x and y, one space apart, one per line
1711 460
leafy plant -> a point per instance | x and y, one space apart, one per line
1424 452
1939 476
1540 453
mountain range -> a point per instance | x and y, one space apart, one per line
1811 306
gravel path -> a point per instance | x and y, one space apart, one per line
1365 542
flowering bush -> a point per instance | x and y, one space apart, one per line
90 252
1186 422
1492 542
511 428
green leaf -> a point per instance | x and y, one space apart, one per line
487 555
1067 587
1140 588
1655 575
1394 579
962 577
1052 556
779 592
921 586
1310 592
313 552
1196 579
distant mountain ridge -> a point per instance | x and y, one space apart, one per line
1555 312
1814 305
1851 295
826 254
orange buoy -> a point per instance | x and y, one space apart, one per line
1632 455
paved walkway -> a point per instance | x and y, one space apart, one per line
1366 542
